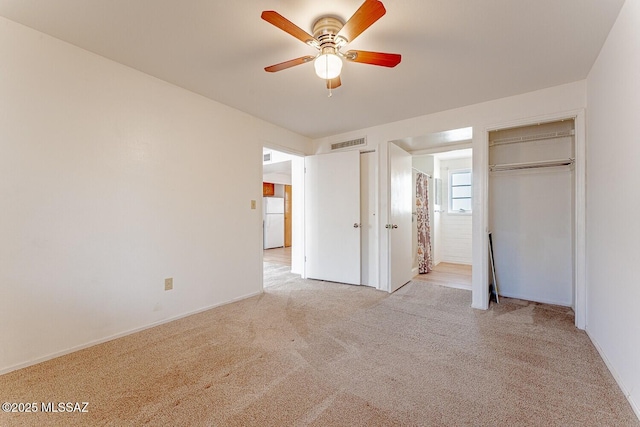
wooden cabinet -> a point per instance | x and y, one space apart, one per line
268 189
288 209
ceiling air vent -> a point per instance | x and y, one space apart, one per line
350 143
266 157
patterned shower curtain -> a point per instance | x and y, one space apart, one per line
425 262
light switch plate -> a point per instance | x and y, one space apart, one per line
253 204
168 284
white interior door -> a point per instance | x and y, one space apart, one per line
332 217
369 260
399 227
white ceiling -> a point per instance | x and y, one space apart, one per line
454 52
454 154
282 168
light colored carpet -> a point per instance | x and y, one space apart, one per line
323 354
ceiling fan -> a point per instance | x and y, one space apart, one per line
330 35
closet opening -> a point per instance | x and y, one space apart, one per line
532 211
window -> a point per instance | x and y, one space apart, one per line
460 191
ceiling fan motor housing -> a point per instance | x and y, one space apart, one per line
325 30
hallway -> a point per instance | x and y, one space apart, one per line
447 274
277 256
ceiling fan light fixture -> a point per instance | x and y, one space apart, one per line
330 35
328 66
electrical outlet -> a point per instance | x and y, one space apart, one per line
253 204
168 284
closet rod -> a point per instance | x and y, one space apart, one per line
530 165
418 170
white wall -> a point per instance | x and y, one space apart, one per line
526 108
613 228
438 210
455 229
297 221
278 190
277 178
111 181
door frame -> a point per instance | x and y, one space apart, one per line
297 183
383 216
369 229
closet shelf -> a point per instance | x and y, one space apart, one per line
528 138
530 165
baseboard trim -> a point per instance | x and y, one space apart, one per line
121 334
528 298
455 286
634 406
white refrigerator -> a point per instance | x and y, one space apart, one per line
273 222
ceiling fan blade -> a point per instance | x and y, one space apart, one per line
287 26
334 83
365 16
288 64
374 58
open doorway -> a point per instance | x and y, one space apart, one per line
442 174
276 207
448 178
282 201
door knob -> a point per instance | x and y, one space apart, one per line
356 225
394 226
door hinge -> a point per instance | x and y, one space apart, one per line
305 258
